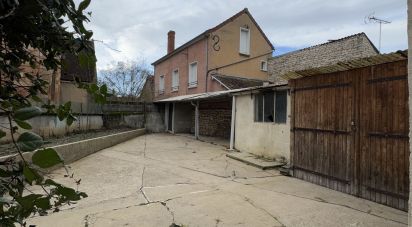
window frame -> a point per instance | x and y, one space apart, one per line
175 87
264 69
192 84
247 51
261 119
161 84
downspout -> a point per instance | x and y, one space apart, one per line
196 119
207 60
232 127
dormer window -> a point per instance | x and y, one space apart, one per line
244 45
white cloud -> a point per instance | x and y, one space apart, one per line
138 28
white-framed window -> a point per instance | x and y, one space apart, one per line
264 66
271 107
161 84
244 44
192 75
175 80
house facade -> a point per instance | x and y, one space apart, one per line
231 55
236 49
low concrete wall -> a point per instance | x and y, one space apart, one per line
266 139
71 152
50 125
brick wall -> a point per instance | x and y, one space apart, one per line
214 119
356 46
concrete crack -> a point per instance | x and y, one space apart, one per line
87 220
199 171
264 210
141 189
323 201
169 210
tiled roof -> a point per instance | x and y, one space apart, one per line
347 65
330 42
233 82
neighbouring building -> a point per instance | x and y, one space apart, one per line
350 47
231 55
265 112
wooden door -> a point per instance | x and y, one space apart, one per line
384 140
323 142
350 132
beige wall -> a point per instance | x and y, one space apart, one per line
264 139
229 36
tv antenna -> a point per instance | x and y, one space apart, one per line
372 19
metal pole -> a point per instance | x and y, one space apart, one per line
232 128
197 120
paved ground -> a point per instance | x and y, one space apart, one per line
160 179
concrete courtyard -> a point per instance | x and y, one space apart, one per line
163 179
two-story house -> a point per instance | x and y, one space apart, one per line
231 55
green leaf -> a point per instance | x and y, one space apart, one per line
22 124
31 175
46 158
103 89
27 113
2 133
29 141
70 119
43 203
83 5
28 201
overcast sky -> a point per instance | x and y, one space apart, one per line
138 28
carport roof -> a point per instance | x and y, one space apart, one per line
212 95
348 65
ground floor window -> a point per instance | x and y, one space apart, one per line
271 107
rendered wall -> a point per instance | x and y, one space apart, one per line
410 104
270 140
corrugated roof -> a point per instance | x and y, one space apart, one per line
234 82
347 65
216 94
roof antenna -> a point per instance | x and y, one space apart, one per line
372 19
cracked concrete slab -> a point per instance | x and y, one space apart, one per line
160 179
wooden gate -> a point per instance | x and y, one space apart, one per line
350 132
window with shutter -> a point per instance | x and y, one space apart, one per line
193 75
244 45
161 84
175 80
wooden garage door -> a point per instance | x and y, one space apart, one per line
384 128
324 143
350 132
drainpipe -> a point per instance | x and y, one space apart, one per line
196 119
232 128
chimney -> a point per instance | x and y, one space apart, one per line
170 41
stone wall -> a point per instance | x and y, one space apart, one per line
214 119
356 46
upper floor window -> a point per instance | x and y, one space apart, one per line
175 80
161 84
193 75
271 107
264 66
244 45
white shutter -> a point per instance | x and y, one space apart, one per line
244 44
162 83
193 74
175 80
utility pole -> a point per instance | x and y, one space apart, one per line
372 19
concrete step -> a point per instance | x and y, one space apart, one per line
253 160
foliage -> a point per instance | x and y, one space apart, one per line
35 34
125 79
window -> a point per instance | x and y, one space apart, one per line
264 66
244 44
281 106
175 80
161 84
271 107
193 75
